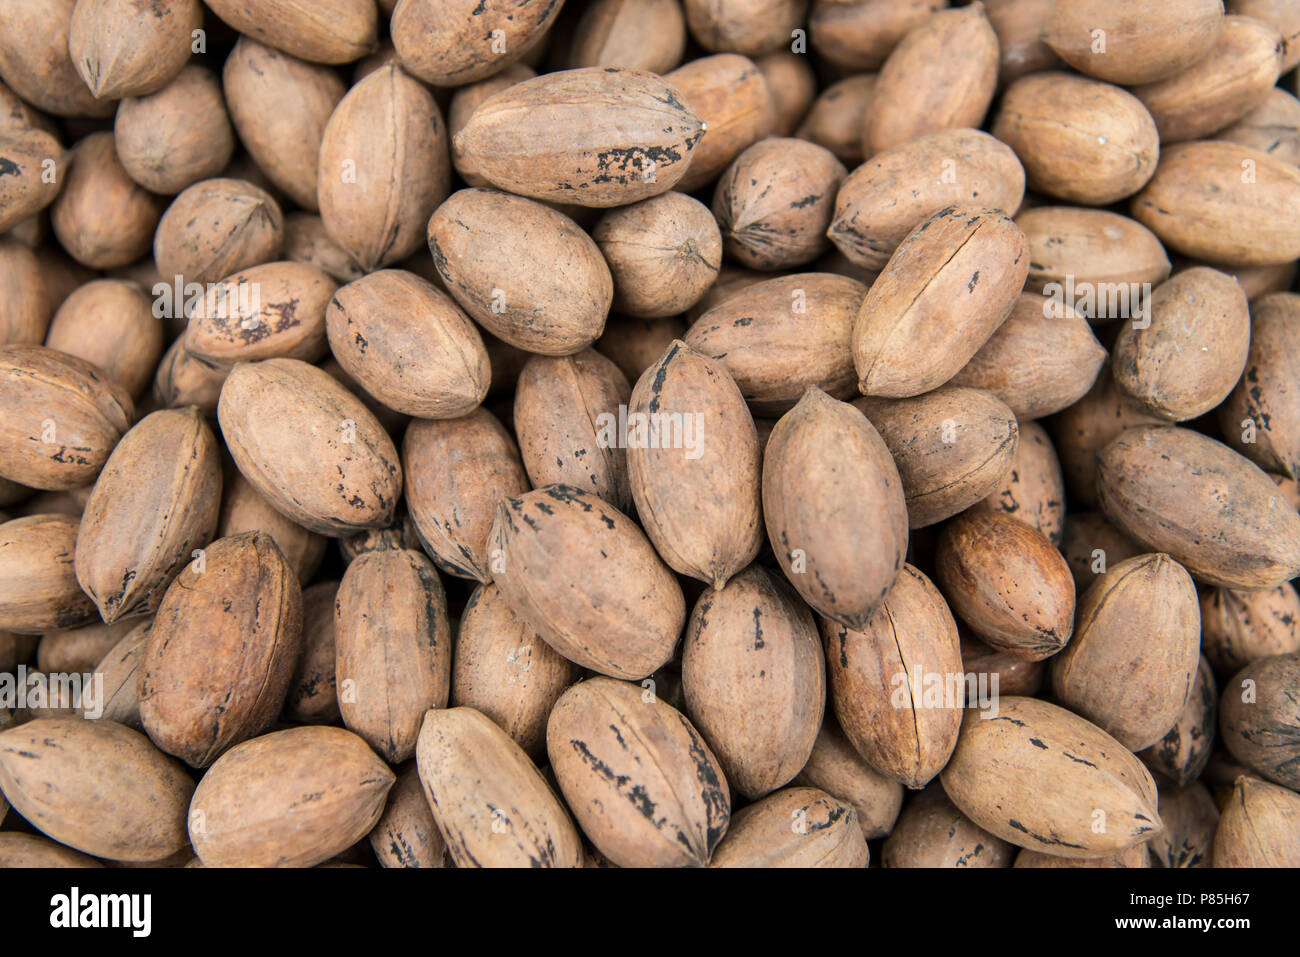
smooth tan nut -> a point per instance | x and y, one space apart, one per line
931 832
60 417
1159 42
215 228
78 649
465 100
613 746
1133 691
693 465
29 850
1007 582
1258 715
121 668
1090 544
663 254
1183 751
834 508
773 203
96 786
35 168
792 86
623 611
35 61
1033 490
1216 513
859 35
322 31
110 323
1230 81
1106 152
560 406
1042 359
1258 827
457 471
923 87
280 107
505 670
750 27
1022 48
993 668
1261 418
40 590
1191 818
636 344
794 827
1054 771
624 135
527 273
102 217
455 42
408 345
392 643
1184 356
122 48
836 117
407 835
307 241
491 803
953 447
645 35
291 798
837 768
754 680
1239 627
1224 203
383 167
26 303
899 188
330 467
891 681
943 293
244 509
728 93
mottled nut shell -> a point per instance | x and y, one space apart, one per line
1106 152
38 585
781 336
1238 627
834 508
663 253
953 447
183 379
406 835
110 323
454 42
1007 582
693 465
323 31
1273 127
931 832
859 34
1183 752
899 188
645 35
527 273
26 301
280 107
312 697
1224 203
1033 490
96 786
621 612
244 509
598 136
560 404
29 183
222 649
60 417
1133 690
1042 359
292 798
996 672
215 228
613 747
1259 827
755 680
1216 513
751 27
1136 856
121 668
837 116
1232 79
330 466
837 768
795 827
923 86
126 48
1191 818
102 217
408 345
634 345
1090 544
1036 775
306 241
1259 714
730 96
1265 406
34 59
891 681
457 471
774 202
504 669
1183 358
1019 25
943 293
1162 40
465 100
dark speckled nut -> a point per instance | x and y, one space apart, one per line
1259 715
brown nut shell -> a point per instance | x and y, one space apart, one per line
794 827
